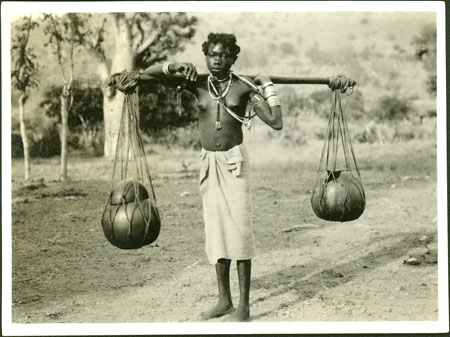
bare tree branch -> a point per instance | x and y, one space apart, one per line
57 37
140 48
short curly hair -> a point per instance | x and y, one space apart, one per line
227 40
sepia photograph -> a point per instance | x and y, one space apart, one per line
224 167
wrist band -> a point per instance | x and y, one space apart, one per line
267 84
273 101
257 99
269 91
270 95
165 68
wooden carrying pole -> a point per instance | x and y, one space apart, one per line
177 79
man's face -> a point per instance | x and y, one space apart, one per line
219 60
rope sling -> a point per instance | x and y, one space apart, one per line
130 219
338 194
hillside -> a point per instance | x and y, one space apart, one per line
374 48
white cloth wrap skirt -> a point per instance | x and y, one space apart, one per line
227 206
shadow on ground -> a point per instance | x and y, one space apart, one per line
305 281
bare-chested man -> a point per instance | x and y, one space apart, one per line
225 170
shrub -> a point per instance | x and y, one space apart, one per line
85 117
287 49
352 105
373 133
393 131
320 102
291 102
185 136
298 130
160 108
87 106
43 136
392 108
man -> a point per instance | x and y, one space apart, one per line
225 170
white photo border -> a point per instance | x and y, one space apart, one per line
11 10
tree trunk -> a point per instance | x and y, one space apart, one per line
65 105
112 109
124 58
23 134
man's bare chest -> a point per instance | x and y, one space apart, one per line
236 98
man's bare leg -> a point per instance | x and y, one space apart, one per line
225 304
242 313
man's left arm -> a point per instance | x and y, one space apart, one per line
267 106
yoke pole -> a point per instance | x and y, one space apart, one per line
178 79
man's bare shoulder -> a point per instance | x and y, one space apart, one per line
246 82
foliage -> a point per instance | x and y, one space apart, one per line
320 102
374 132
62 33
87 105
352 105
291 102
392 108
379 56
24 77
23 60
42 134
287 48
395 131
85 118
153 36
62 36
186 136
143 38
160 108
164 34
425 51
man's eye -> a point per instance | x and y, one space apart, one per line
212 55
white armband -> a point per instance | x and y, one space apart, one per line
165 68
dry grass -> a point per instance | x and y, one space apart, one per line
381 162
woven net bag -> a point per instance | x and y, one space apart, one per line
338 194
131 218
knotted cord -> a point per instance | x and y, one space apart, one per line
342 83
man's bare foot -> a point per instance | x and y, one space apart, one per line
218 311
240 315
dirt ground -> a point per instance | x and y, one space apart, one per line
307 269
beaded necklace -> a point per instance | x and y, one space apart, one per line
220 98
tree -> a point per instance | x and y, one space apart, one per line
140 40
63 37
425 51
24 78
85 119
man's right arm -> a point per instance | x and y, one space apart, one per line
188 70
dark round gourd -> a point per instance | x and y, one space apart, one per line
338 196
131 225
127 191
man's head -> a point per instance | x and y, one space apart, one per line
221 52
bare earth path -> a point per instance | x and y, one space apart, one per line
64 270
